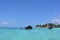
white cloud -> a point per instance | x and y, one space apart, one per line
4 23
56 20
8 24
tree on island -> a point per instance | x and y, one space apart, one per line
48 25
38 26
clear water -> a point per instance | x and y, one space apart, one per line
34 34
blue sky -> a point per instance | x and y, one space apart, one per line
19 13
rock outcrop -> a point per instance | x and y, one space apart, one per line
28 27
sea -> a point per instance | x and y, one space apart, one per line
34 34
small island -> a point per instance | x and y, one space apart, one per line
28 27
47 25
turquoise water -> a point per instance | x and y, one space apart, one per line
34 34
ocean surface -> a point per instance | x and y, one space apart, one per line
34 34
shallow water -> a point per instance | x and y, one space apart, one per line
34 34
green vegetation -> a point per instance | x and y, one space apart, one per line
48 25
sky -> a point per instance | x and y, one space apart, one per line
21 13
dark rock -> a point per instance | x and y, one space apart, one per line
28 27
50 27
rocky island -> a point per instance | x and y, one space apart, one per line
47 25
